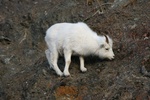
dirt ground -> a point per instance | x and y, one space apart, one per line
25 72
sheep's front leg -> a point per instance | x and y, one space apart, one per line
82 68
67 55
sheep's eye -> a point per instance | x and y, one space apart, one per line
107 49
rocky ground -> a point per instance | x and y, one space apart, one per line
24 70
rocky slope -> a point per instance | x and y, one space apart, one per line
24 70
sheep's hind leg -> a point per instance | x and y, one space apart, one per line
47 52
67 55
82 68
54 62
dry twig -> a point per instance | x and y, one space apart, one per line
99 11
24 37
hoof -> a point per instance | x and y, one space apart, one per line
66 74
60 74
84 69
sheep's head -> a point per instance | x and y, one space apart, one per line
105 49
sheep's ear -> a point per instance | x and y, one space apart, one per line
102 46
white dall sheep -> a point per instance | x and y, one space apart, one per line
75 39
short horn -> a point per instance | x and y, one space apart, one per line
106 39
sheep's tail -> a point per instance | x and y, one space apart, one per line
47 52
